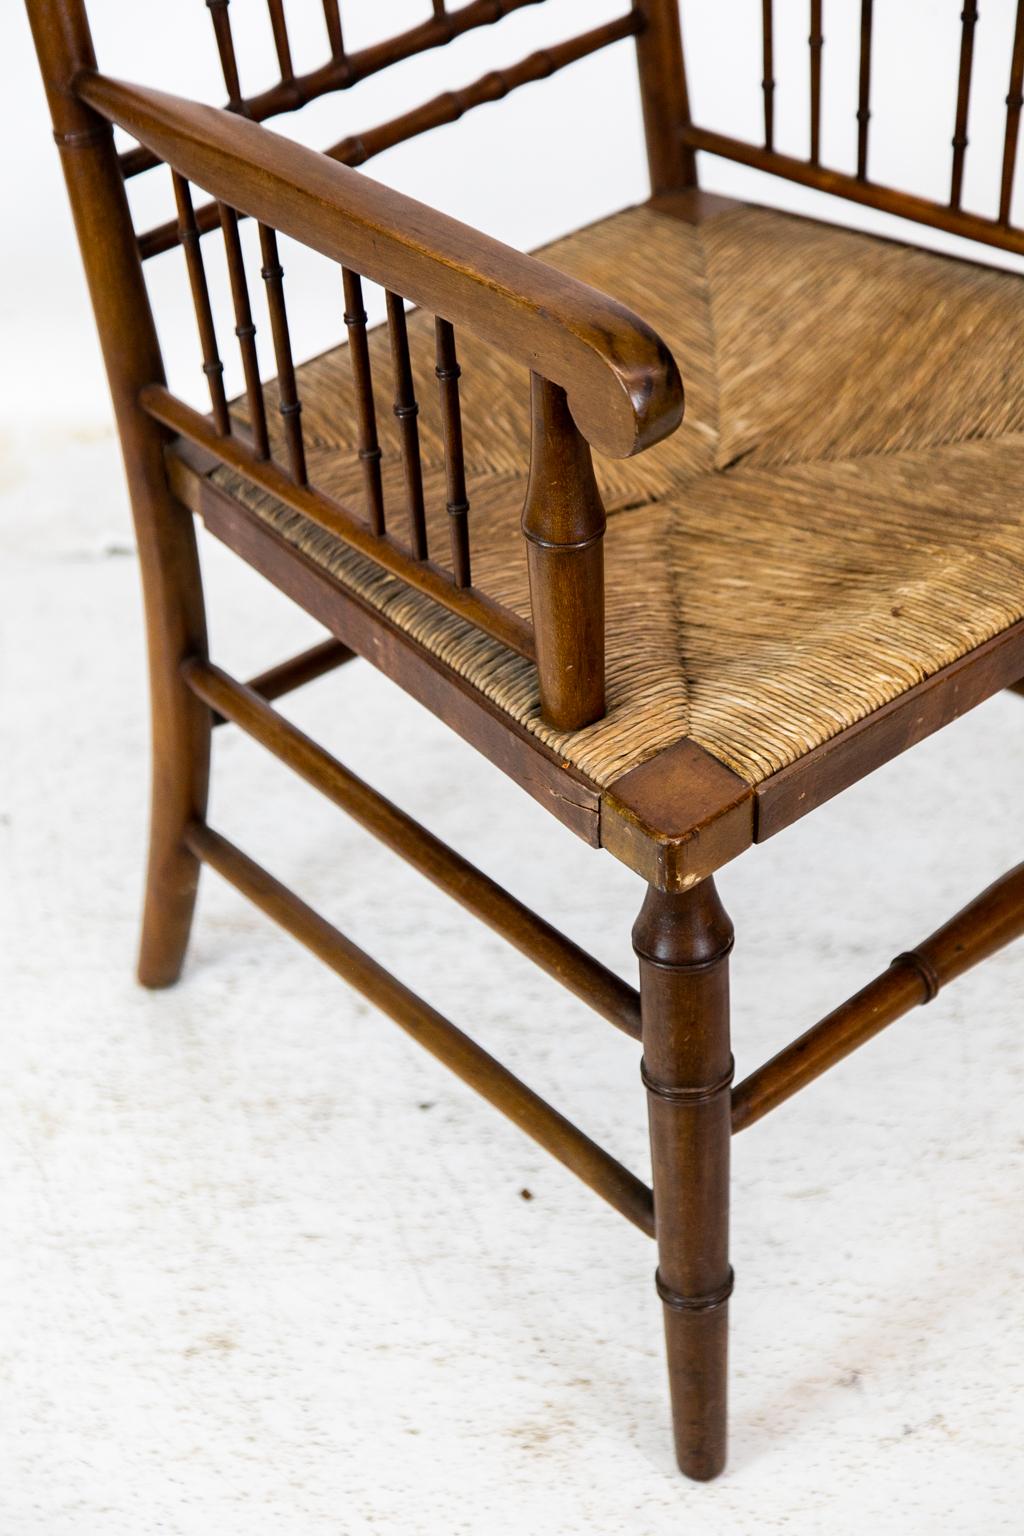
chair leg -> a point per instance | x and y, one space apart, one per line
181 724
683 941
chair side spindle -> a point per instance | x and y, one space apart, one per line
359 352
245 330
190 243
448 374
289 405
407 410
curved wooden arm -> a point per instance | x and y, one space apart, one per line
622 383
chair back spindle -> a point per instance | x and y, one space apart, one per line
816 42
995 228
768 73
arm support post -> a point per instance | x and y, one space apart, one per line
563 523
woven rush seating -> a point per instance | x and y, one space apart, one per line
838 517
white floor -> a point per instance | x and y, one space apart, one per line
266 1268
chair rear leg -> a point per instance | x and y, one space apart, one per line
180 730
683 942
172 588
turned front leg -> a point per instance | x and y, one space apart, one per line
683 941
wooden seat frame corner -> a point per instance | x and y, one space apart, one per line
601 379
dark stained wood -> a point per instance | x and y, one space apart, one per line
940 699
294 673
563 524
677 817
768 73
407 410
228 63
864 96
332 516
530 934
281 43
682 942
1014 102
448 374
172 586
345 70
245 330
366 411
288 403
358 148
904 204
461 1055
332 20
623 386
968 21
212 365
569 796
450 106
664 95
816 42
988 923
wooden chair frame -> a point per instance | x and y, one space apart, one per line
602 379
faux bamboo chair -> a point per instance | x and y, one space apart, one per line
821 566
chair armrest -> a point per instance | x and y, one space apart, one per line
621 381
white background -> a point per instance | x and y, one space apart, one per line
265 1268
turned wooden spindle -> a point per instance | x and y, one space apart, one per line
212 365
245 330
407 411
768 73
448 374
288 403
332 19
357 148
816 42
1014 102
282 47
564 522
864 90
968 22
226 50
366 411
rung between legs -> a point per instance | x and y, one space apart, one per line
297 671
438 1035
980 930
579 972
